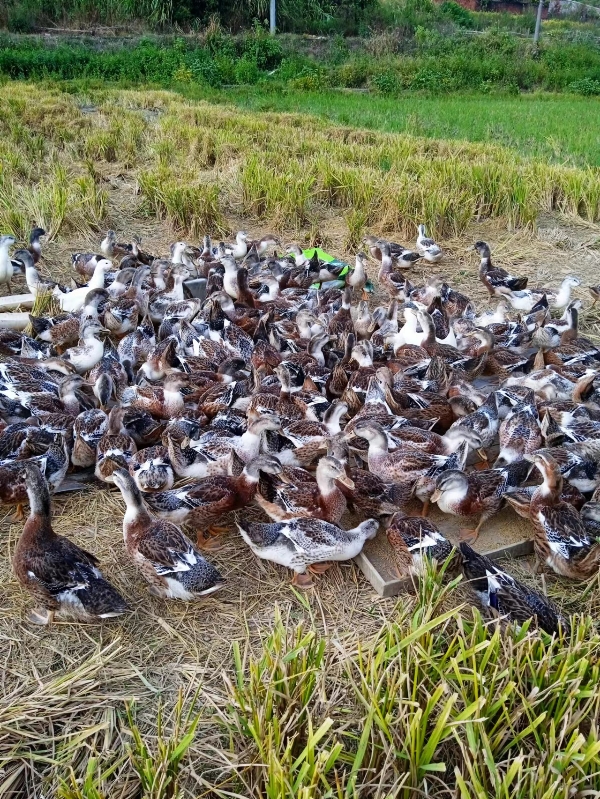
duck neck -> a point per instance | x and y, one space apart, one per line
299 257
375 393
378 444
426 323
244 294
90 311
359 270
39 497
249 443
486 262
273 293
32 278
563 295
286 385
324 481
177 291
115 422
70 401
178 253
410 322
332 417
316 350
552 485
571 333
247 483
485 342
134 506
386 263
363 359
97 281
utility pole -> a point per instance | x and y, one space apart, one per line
538 21
272 16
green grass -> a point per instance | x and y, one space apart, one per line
438 702
559 128
281 168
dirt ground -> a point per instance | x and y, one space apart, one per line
163 646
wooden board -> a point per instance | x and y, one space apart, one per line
505 536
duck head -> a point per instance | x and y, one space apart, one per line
482 248
452 486
330 468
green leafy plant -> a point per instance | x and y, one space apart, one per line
158 769
586 86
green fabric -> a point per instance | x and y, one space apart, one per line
321 254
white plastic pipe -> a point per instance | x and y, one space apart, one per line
14 321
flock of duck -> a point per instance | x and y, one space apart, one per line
287 388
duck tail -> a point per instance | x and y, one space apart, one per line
517 283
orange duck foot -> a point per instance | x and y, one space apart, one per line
19 514
40 617
302 581
320 568
468 536
209 540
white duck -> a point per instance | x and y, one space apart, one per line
525 300
240 248
6 264
35 283
90 350
179 255
230 281
74 300
107 243
431 251
304 543
299 256
562 297
497 317
408 333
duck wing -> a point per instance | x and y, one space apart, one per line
167 549
308 535
506 595
564 530
421 536
64 568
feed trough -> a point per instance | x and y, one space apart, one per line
506 535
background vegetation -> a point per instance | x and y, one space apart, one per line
436 63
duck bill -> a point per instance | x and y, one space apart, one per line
436 495
347 481
482 454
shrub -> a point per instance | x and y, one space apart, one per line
354 74
294 66
585 86
20 19
385 82
263 49
246 71
312 80
459 15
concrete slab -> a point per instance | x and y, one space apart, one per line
505 536
12 301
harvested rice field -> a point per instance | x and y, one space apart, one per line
265 691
